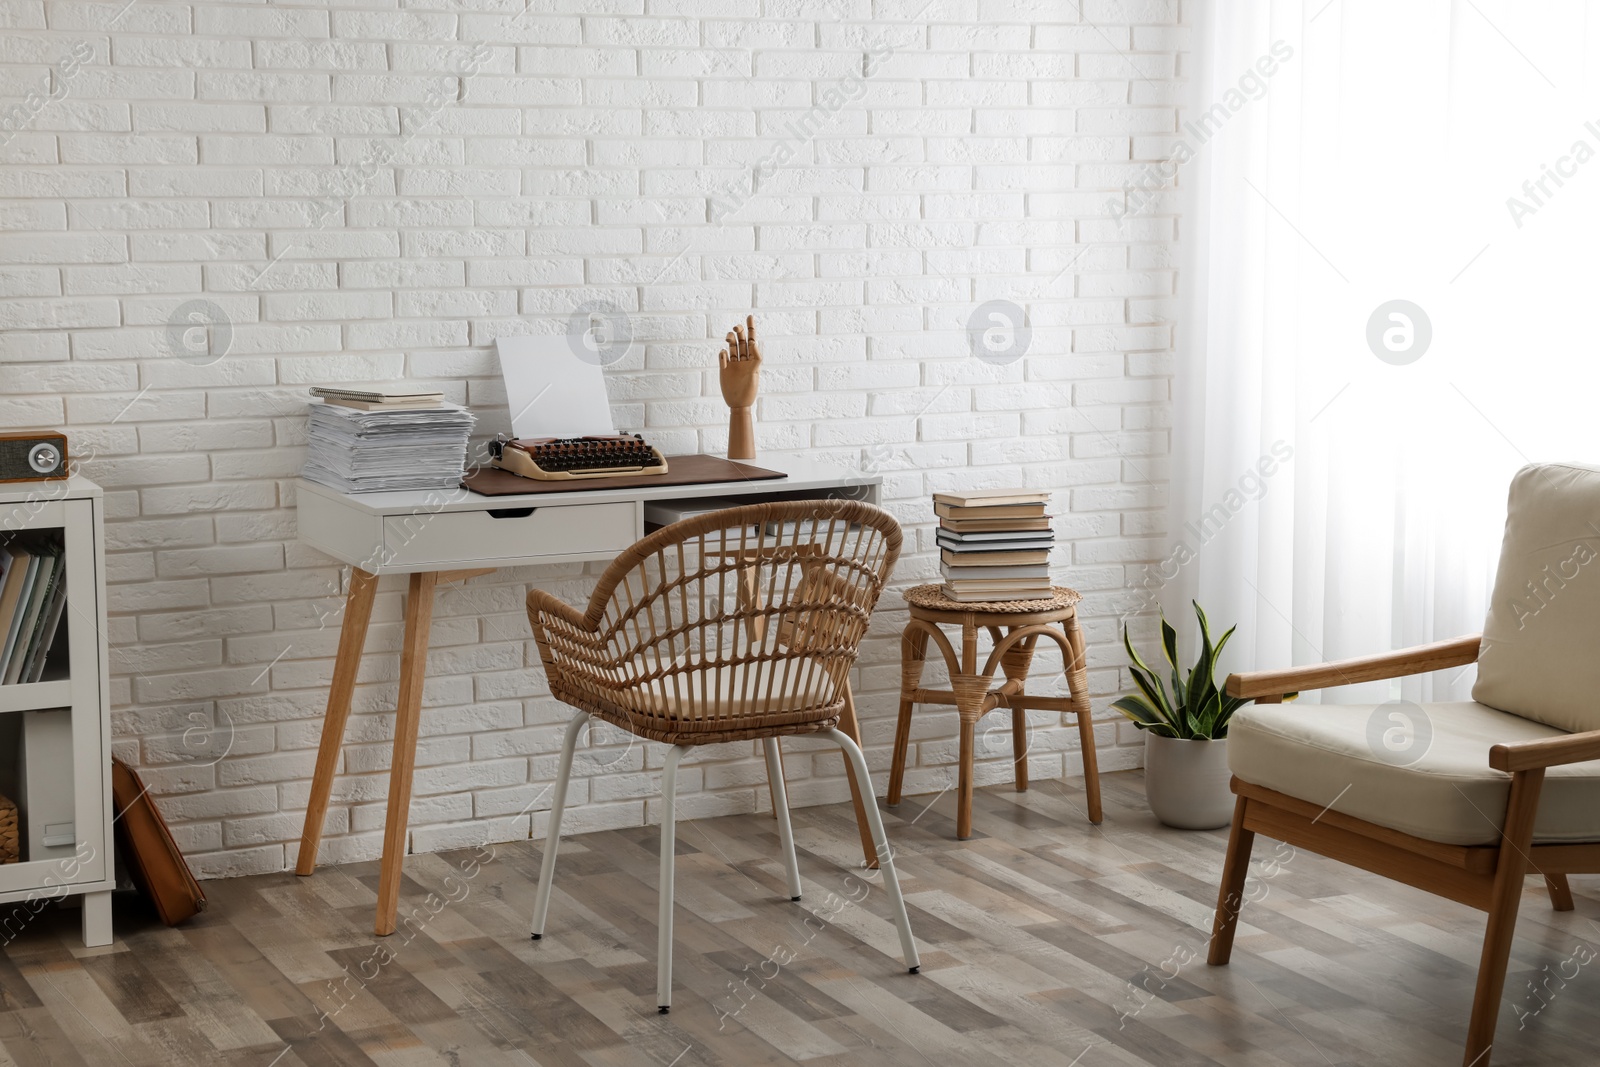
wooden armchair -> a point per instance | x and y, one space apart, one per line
739 625
1459 799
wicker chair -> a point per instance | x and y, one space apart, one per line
734 626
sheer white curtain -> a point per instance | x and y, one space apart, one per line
1437 153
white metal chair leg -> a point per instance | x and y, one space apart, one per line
552 840
880 840
780 809
669 844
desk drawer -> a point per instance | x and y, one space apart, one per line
453 538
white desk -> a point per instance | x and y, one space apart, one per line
447 535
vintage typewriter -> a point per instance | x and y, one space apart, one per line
559 458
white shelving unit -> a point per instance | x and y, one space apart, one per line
78 850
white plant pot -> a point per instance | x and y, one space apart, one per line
1186 782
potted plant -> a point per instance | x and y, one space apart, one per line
1185 732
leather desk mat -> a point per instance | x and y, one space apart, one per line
681 470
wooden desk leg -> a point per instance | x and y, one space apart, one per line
849 724
408 716
352 638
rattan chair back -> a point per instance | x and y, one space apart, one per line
733 625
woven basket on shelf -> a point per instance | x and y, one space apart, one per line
10 839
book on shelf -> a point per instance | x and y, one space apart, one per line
32 596
45 568
1046 543
994 544
1001 511
993 559
19 579
50 629
1041 524
957 572
1021 585
965 595
994 536
974 498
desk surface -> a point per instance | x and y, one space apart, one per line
804 474
447 529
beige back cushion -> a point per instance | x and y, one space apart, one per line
1541 640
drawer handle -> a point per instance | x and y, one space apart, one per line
510 513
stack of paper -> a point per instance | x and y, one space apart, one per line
994 544
33 597
358 451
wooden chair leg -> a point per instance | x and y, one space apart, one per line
971 692
1510 871
913 647
408 718
1091 767
852 728
1560 892
1078 685
964 782
1015 663
1019 745
902 750
352 639
1230 896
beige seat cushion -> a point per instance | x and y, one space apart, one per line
738 690
1449 793
1541 640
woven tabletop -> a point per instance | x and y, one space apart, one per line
932 597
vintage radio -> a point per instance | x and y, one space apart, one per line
559 458
32 455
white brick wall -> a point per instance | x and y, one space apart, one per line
369 192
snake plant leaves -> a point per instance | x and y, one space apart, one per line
1196 708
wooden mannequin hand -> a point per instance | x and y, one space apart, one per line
740 365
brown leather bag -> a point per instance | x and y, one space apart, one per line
149 852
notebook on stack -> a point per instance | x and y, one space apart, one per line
392 396
385 446
994 544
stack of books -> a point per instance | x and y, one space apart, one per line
994 544
365 439
33 599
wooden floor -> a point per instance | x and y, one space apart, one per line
1045 942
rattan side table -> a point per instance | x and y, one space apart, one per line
1016 627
